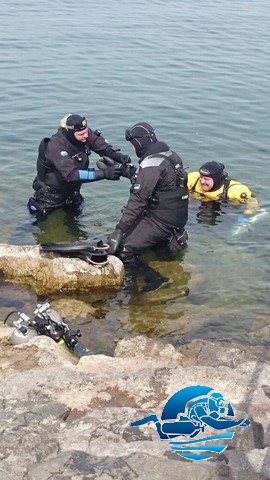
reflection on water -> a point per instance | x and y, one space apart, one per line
60 226
210 102
209 213
154 311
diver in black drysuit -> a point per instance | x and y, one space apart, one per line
63 165
157 209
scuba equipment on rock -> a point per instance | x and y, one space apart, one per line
94 254
48 322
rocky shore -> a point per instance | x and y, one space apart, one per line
68 418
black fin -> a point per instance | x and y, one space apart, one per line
94 254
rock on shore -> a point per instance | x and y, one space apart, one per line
51 273
68 418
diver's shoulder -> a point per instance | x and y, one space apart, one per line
192 178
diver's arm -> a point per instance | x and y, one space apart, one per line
193 178
151 418
252 205
92 175
100 146
240 193
142 189
223 422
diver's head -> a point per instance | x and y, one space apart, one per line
212 176
75 128
141 136
217 402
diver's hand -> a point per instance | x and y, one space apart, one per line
121 158
128 170
109 173
126 160
114 240
105 163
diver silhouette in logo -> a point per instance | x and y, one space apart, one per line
189 411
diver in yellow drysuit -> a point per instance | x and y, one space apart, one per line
211 182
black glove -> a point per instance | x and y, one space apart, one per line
178 240
105 163
125 159
121 158
117 156
109 173
114 240
128 171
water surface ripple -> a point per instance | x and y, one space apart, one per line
199 72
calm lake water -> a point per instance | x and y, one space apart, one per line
197 71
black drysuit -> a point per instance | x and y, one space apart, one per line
58 182
158 203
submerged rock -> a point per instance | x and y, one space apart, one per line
51 272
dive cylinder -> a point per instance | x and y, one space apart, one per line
18 337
